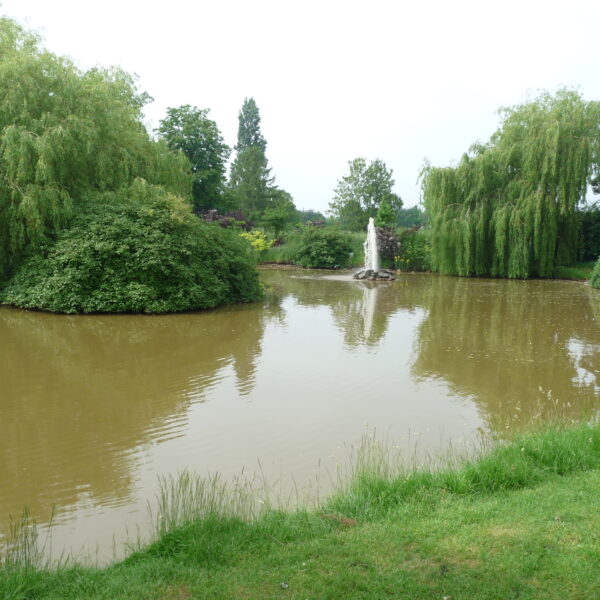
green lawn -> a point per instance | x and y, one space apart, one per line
579 271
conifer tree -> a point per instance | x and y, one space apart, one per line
386 216
249 133
251 183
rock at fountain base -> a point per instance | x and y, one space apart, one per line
370 274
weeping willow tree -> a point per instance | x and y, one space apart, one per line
65 135
508 208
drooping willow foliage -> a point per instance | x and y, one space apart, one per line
508 208
65 134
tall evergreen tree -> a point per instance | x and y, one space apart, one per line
386 215
251 184
508 209
249 134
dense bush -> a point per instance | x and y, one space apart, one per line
232 218
291 248
595 278
411 217
138 250
415 251
388 244
258 240
323 248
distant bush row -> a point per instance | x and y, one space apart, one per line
331 248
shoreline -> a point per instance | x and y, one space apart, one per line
290 267
438 525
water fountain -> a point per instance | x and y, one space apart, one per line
371 269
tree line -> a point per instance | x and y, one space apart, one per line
72 141
250 188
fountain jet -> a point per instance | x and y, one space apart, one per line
371 269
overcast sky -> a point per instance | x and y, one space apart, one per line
334 80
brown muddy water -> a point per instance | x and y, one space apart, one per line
94 408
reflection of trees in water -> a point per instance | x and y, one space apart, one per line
272 305
586 352
510 345
523 350
361 309
594 300
78 393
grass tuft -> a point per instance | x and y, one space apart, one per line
187 498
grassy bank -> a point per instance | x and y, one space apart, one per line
579 271
519 522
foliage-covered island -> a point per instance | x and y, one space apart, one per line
136 250
96 216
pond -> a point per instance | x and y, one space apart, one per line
93 408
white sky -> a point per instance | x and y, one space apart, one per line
334 80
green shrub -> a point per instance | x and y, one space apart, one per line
357 253
415 251
595 278
258 239
137 250
286 252
323 248
293 247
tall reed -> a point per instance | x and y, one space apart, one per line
187 497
